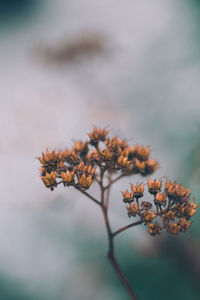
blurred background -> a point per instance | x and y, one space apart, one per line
67 65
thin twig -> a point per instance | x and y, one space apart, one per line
113 181
88 195
126 227
111 253
108 193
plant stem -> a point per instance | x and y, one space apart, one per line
111 253
113 181
112 258
88 195
126 227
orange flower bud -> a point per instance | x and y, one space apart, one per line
182 221
151 165
169 215
149 215
160 198
154 228
106 155
154 186
142 152
187 226
123 161
146 205
97 135
80 167
127 197
138 190
80 146
139 164
85 181
167 184
133 210
49 179
174 228
68 177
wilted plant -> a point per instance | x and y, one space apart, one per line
105 160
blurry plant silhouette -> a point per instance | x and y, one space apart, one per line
86 45
105 160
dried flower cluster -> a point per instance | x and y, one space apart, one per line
105 160
171 210
83 163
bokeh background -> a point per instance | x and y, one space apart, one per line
67 65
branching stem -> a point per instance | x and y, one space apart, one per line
88 195
103 203
112 258
126 227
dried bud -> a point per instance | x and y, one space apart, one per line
169 215
151 166
47 157
167 185
106 155
154 186
177 192
186 226
154 228
94 155
80 167
49 179
160 198
142 152
68 177
138 190
81 147
89 170
174 228
148 215
85 181
133 210
123 162
139 165
146 205
131 152
127 197
97 135
190 209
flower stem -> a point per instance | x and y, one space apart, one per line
112 258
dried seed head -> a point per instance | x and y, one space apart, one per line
97 135
123 162
49 179
133 210
169 215
151 166
85 181
174 228
154 186
166 207
137 190
68 177
160 198
139 165
154 228
106 155
142 152
148 216
127 197
146 205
